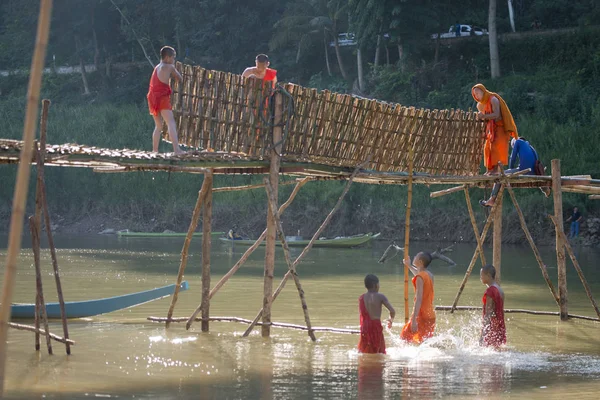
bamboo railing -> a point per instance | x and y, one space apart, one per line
226 112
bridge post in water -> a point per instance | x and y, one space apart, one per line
497 238
206 242
561 263
275 161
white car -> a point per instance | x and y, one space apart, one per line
465 30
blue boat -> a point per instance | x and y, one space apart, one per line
88 308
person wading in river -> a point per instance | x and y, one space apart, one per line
369 306
493 333
422 321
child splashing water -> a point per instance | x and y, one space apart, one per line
422 321
493 333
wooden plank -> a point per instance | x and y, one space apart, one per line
560 244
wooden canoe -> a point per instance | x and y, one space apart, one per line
88 308
342 242
161 234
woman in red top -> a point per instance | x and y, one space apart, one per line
494 330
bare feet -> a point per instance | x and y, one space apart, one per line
488 203
547 191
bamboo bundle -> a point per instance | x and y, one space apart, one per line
226 112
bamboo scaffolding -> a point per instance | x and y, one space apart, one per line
594 197
560 244
247 321
486 227
407 230
40 304
497 238
22 180
247 187
474 225
206 242
514 311
586 286
536 253
445 192
309 245
288 259
29 328
247 254
186 245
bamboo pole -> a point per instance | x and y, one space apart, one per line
247 254
594 197
474 224
29 328
309 245
247 321
22 181
560 244
274 162
61 299
486 227
40 156
39 297
538 257
206 242
248 187
586 286
186 245
514 311
288 259
411 160
497 239
445 192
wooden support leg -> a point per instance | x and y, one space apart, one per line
271 228
247 254
22 180
497 238
206 242
407 230
560 244
586 286
40 303
186 246
288 259
475 255
474 224
308 246
538 257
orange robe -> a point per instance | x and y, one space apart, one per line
159 95
495 333
426 317
371 331
497 133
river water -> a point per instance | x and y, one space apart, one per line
122 355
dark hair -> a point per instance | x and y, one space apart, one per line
167 51
371 281
425 257
489 269
262 58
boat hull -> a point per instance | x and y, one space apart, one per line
89 308
163 235
336 243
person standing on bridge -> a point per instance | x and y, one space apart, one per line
159 98
499 128
261 70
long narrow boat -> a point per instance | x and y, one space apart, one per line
161 234
342 242
88 308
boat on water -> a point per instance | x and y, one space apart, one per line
294 241
89 308
162 234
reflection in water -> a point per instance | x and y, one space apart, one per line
121 354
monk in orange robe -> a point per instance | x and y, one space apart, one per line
369 306
422 321
499 129
493 333
159 98
261 70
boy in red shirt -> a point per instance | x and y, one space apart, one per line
159 98
494 331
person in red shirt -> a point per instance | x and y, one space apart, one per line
159 98
369 306
493 333
261 70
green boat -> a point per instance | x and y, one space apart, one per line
341 242
162 234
